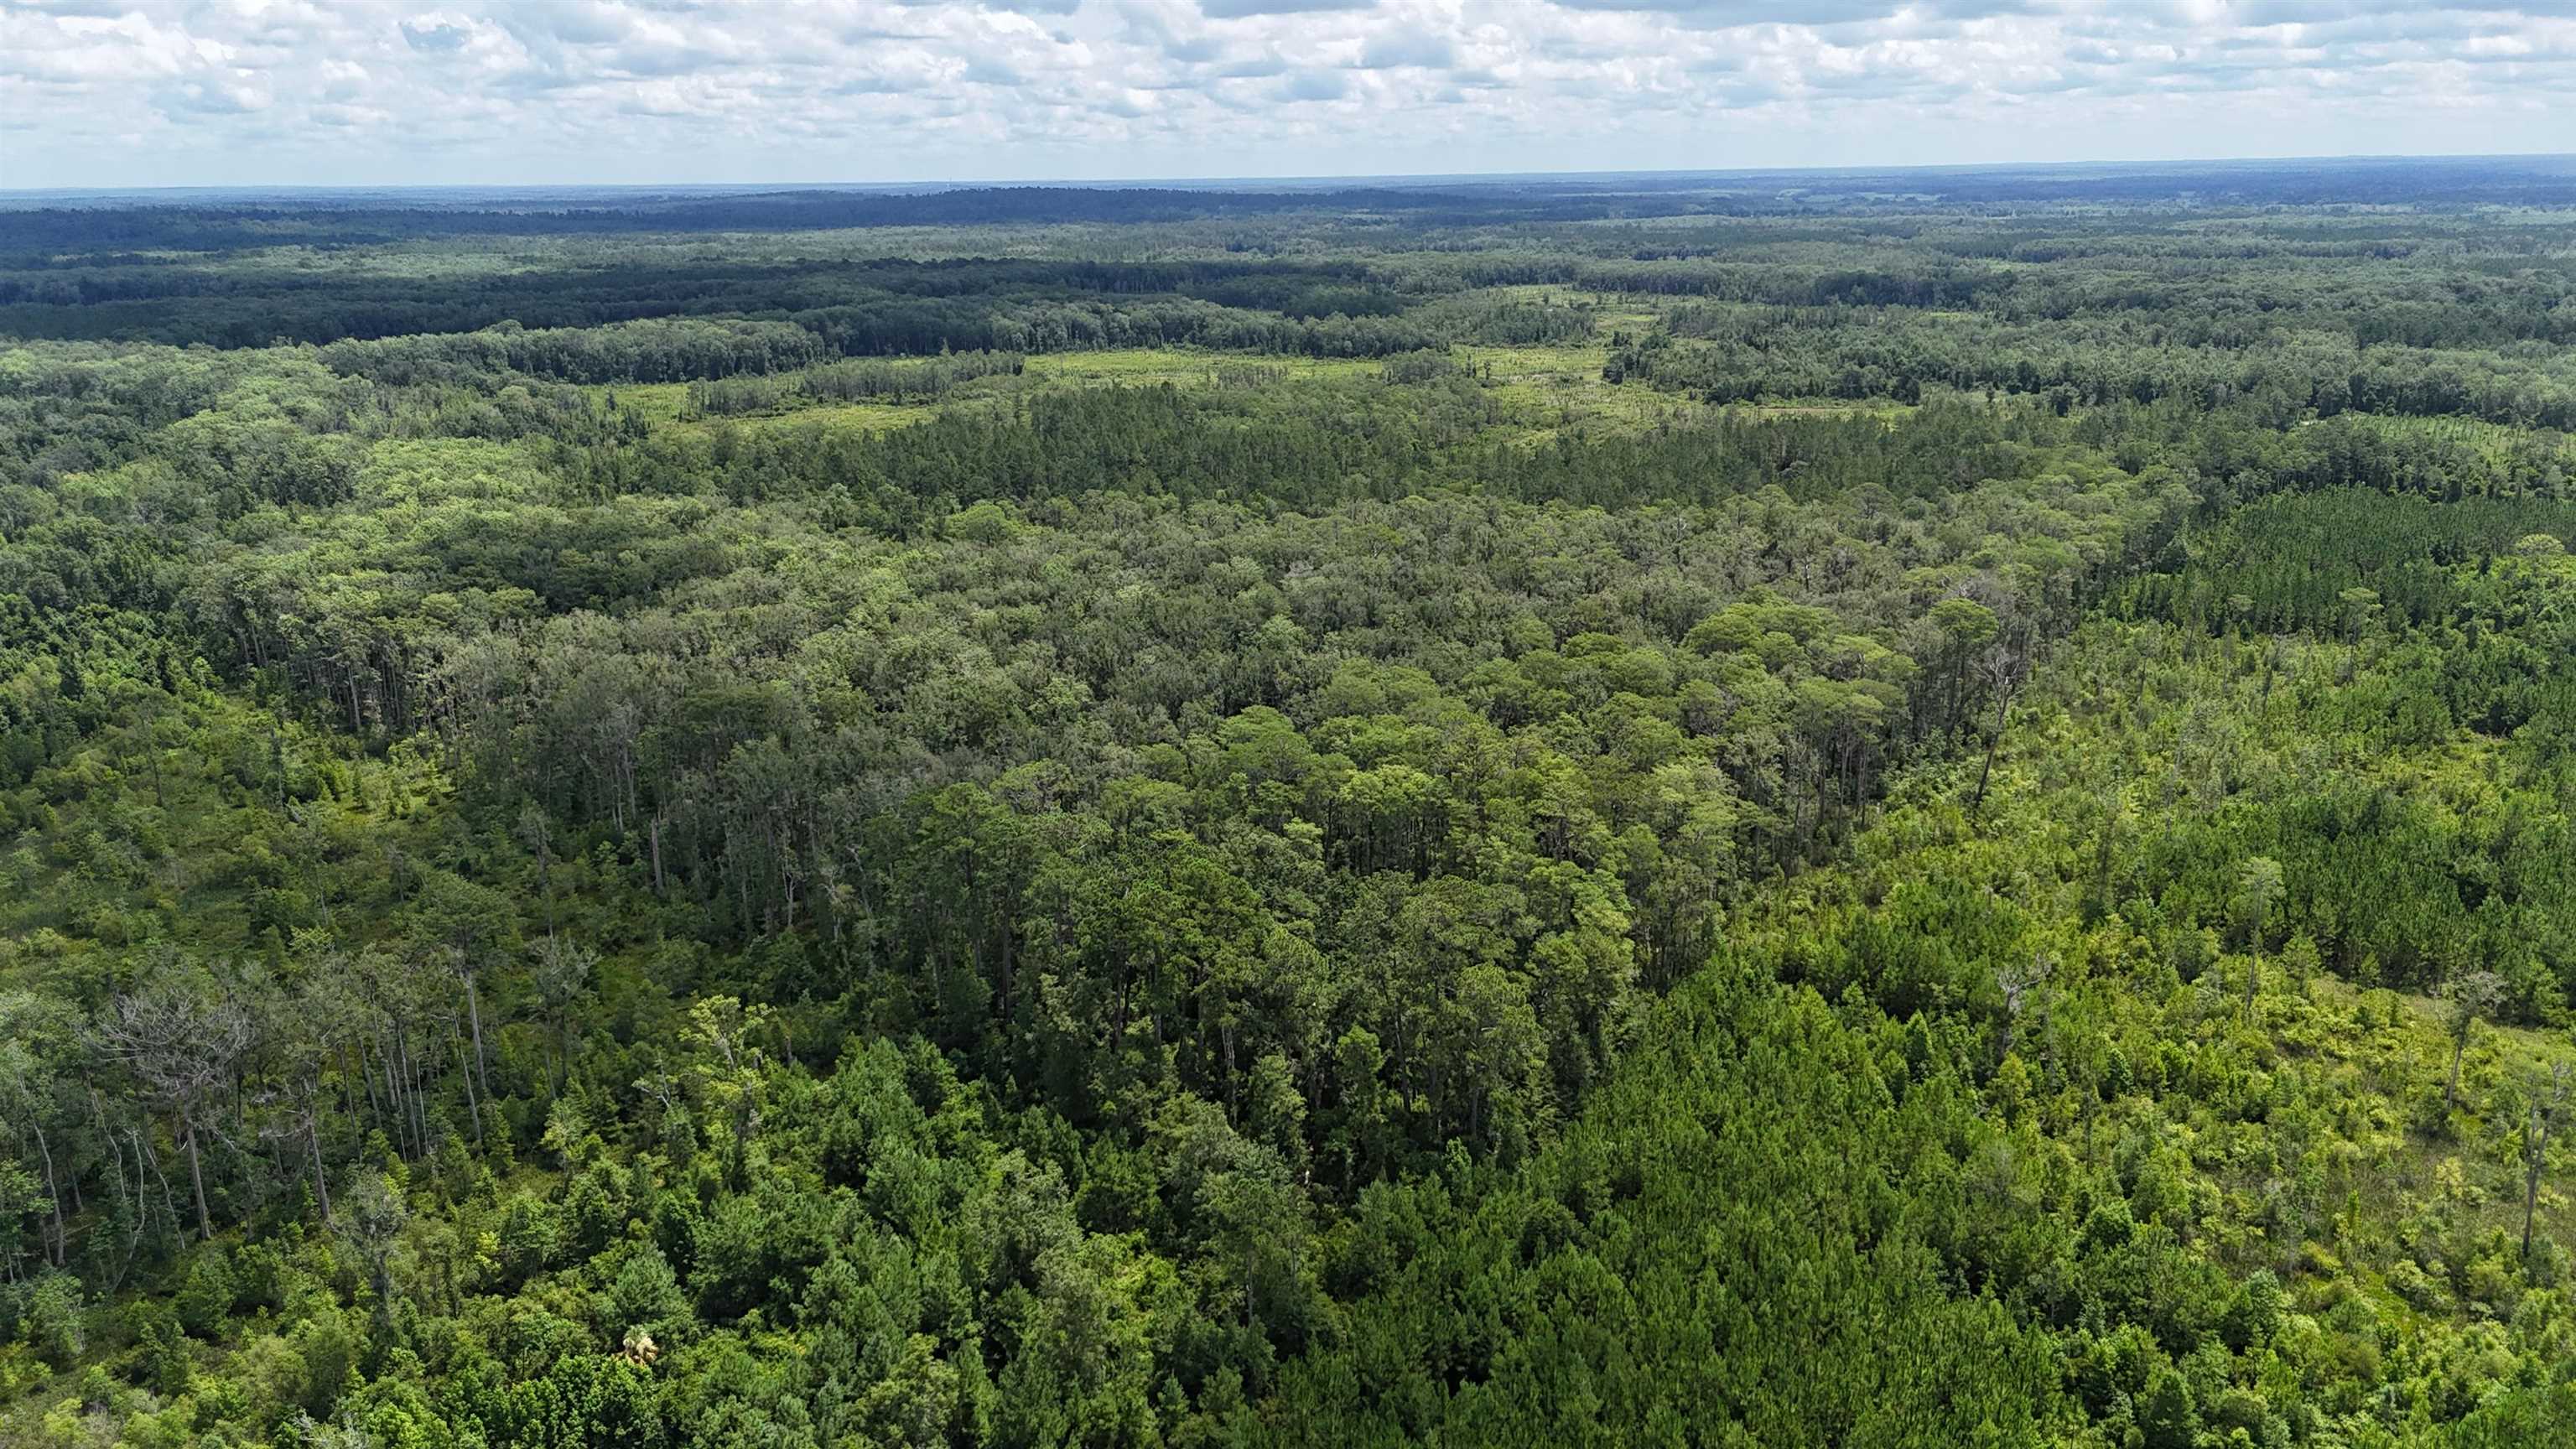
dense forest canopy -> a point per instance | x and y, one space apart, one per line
1851 808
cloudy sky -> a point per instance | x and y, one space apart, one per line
209 92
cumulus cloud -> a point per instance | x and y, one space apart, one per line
433 36
1314 85
344 91
1398 49
214 98
1246 9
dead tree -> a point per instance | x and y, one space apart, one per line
182 1044
2004 668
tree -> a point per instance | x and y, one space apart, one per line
28 1088
371 1222
2467 997
2020 980
2258 886
2003 667
2544 1109
1961 626
562 974
472 926
2360 607
2166 1413
182 1043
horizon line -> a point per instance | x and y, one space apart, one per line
1105 183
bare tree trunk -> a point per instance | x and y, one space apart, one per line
474 1107
2007 668
2536 1141
394 1098
321 1174
474 1015
349 1094
55 1191
143 1153
133 1204
1994 742
197 1179
416 1086
2537 1130
545 868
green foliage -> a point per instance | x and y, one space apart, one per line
1270 901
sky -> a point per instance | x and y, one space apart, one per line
98 93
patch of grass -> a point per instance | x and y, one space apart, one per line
665 405
659 402
865 416
1882 408
1182 367
1549 388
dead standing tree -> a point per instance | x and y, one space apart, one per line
2003 668
2021 986
182 1044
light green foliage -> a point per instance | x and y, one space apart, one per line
1314 850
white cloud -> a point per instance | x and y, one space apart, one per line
1398 49
253 91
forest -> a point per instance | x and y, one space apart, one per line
1861 809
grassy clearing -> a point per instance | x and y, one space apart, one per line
1183 367
1543 389
1555 386
1611 311
665 405
659 402
1882 409
864 416
1548 389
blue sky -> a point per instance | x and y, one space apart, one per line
221 92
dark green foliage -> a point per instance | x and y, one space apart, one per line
671 847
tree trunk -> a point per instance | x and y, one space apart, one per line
143 1152
1994 742
473 1106
54 1190
474 1014
197 1180
417 1080
321 1175
2537 1137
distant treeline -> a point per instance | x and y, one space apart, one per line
334 219
1861 353
208 228
875 306
694 349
